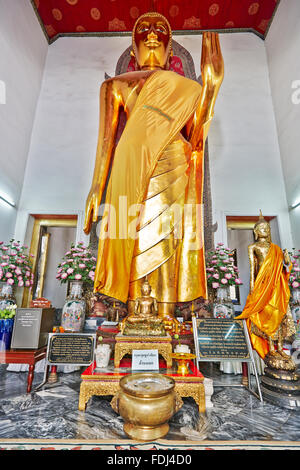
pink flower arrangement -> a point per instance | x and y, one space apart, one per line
220 268
78 264
15 264
295 272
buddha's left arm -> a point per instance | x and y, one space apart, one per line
212 72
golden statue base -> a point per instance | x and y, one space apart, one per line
281 387
278 362
291 376
144 330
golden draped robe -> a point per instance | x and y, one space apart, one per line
154 169
267 304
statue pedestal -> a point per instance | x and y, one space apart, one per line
125 345
281 388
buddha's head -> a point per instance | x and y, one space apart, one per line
146 288
262 229
152 41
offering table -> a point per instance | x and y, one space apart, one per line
106 382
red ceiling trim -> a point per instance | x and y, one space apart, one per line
253 16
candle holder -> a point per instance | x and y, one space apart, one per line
182 360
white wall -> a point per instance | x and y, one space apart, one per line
64 138
283 46
23 50
246 171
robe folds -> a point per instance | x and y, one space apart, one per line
155 185
267 304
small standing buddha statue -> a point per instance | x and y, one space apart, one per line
267 308
144 321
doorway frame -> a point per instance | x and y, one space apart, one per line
44 220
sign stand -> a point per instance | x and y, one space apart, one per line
218 339
63 349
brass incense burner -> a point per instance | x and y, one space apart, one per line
146 402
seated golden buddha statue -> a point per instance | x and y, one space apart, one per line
144 321
267 310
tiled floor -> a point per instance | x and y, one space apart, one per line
53 413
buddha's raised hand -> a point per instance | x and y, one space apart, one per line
212 65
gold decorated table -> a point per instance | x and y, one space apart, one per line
126 344
106 382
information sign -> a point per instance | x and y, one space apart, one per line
76 349
220 339
145 359
71 348
223 339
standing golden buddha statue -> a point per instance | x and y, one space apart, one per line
267 308
152 221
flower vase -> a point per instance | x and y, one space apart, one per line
7 296
6 329
73 313
223 306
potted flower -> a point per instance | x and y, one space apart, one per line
6 326
77 267
15 270
221 274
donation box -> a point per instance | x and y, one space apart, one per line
31 327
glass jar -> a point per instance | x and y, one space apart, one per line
223 306
73 313
7 295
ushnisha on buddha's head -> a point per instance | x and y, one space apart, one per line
152 42
262 229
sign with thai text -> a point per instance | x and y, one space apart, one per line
146 359
71 348
221 339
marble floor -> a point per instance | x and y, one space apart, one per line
52 413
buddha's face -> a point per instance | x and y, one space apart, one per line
152 42
146 289
262 230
